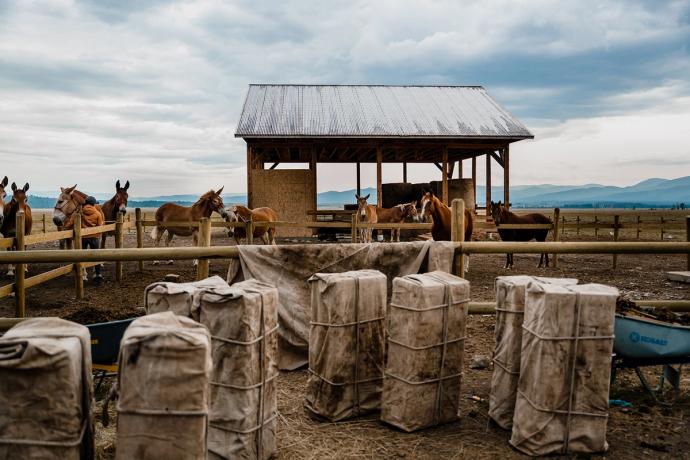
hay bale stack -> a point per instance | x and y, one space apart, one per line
46 391
346 343
426 343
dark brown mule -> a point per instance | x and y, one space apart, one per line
172 212
239 213
396 215
114 206
441 216
9 223
3 195
502 215
366 213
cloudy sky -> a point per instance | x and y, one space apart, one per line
151 91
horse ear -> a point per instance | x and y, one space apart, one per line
356 196
26 187
5 181
367 197
127 185
14 187
220 190
117 185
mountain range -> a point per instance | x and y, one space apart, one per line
653 192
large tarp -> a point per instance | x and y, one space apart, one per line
346 344
46 391
289 268
165 366
426 344
565 369
510 307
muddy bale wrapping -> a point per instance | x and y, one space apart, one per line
565 369
179 298
165 366
426 342
46 391
510 305
346 343
243 322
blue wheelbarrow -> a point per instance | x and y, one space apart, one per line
105 346
641 342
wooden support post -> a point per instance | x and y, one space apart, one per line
249 229
359 179
314 175
488 183
250 185
474 182
379 188
457 233
451 169
506 177
556 237
204 241
460 171
354 227
616 224
76 244
405 172
687 235
19 276
140 234
444 177
638 227
44 222
119 243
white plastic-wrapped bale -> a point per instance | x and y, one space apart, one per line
426 343
565 369
346 343
46 391
243 322
178 298
164 371
510 306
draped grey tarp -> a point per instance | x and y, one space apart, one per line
510 307
289 268
46 392
565 369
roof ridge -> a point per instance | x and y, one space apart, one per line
366 85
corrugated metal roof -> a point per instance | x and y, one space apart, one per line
375 111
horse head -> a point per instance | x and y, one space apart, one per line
19 195
214 201
3 195
427 204
65 205
410 210
121 197
232 215
362 205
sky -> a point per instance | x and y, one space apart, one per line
150 91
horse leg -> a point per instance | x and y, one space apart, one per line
195 242
168 240
507 265
84 275
546 259
272 233
159 236
265 238
467 263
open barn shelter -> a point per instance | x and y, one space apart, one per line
312 124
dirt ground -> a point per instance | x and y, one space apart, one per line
645 429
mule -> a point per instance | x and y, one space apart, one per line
69 200
17 203
239 213
396 215
173 212
501 215
366 213
114 206
432 208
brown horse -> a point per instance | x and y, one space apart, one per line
396 215
366 213
69 200
239 213
3 195
114 206
501 215
204 207
9 223
441 216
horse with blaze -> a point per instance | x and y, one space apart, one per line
441 217
239 213
9 222
366 213
207 203
501 215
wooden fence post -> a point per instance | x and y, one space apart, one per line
76 244
616 226
202 267
140 234
556 238
563 229
19 288
44 222
457 233
119 243
250 230
662 227
354 227
577 226
596 229
638 227
687 235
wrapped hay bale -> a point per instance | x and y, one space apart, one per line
243 322
165 365
178 298
565 369
510 306
426 343
346 343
